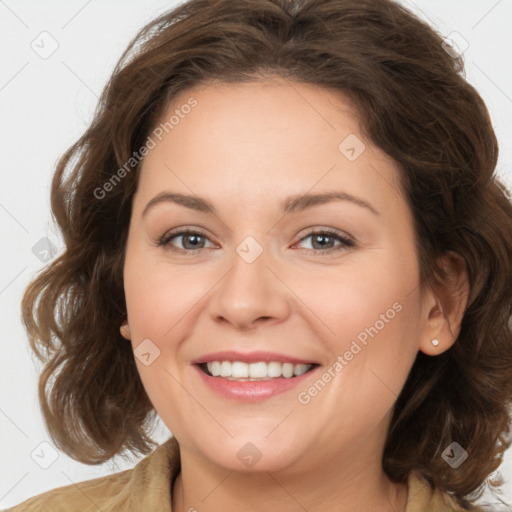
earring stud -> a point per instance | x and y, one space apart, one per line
435 342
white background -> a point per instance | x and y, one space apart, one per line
46 104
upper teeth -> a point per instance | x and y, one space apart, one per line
238 369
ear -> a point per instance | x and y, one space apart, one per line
125 330
445 306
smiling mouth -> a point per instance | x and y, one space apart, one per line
258 371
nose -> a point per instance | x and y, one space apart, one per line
250 294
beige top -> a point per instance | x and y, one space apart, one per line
146 488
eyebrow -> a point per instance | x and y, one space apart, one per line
291 204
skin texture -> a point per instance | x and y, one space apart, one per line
245 148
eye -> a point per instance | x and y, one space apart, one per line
189 240
324 241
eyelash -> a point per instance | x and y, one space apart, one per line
345 242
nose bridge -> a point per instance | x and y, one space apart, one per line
249 291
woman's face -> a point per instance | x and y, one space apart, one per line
263 273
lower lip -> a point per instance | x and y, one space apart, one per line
252 390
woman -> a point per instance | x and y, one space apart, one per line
285 237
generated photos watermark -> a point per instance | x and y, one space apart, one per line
151 143
305 397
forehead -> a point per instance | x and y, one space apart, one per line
258 140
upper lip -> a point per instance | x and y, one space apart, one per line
250 357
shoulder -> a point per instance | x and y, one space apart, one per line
84 496
146 484
423 498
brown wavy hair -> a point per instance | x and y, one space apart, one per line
412 101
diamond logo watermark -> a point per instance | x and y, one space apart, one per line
352 147
454 44
454 455
44 455
45 45
146 352
44 250
249 249
249 454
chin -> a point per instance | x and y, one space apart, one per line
256 455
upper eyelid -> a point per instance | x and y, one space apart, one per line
167 236
199 231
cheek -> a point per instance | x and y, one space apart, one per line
159 297
353 297
371 309
159 301
162 304
377 330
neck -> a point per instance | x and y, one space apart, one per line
348 484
